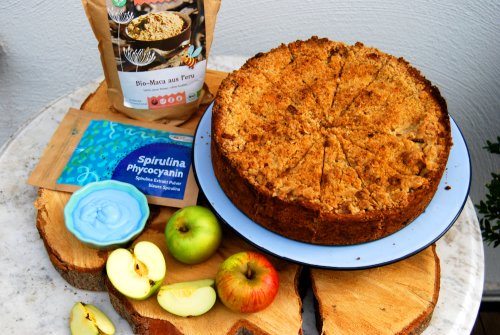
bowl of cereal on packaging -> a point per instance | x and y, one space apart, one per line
106 214
159 30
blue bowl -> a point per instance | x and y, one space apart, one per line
106 214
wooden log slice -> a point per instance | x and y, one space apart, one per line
394 299
84 267
81 266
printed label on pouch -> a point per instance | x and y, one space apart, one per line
167 100
159 169
156 162
162 88
159 47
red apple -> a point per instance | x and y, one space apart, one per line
247 282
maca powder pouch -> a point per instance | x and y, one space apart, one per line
154 54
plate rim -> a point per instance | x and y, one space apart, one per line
203 117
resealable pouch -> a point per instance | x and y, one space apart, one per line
154 54
88 147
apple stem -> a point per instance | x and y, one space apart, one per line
249 273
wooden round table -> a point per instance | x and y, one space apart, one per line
37 299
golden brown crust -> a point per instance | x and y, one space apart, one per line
329 144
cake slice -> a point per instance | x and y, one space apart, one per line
388 188
264 161
342 190
405 156
271 64
303 180
318 63
240 109
361 68
371 108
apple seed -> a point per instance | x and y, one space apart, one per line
88 316
140 267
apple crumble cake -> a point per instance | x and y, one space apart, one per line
329 143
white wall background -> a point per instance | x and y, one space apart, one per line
47 50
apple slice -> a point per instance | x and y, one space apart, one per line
190 298
86 319
137 272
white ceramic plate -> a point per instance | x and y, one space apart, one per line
437 218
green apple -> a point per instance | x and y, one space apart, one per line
86 319
193 234
137 272
190 298
247 282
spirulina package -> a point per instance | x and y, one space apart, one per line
88 147
154 54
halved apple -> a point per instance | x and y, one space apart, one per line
87 319
190 298
137 272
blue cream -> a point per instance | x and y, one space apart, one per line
106 214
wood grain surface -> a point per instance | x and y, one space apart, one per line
394 299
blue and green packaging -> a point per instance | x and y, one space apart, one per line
88 147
